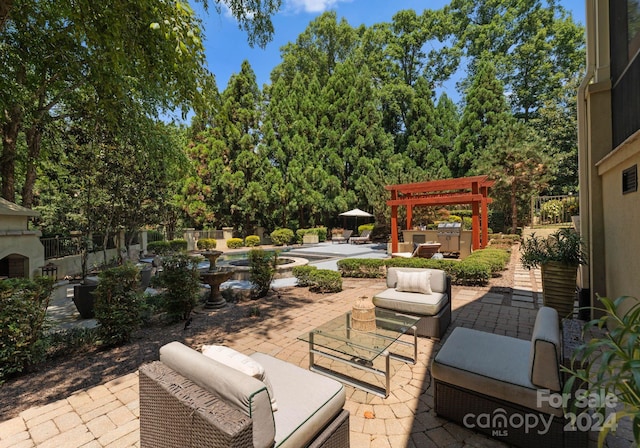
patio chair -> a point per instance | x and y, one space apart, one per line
365 237
342 239
424 250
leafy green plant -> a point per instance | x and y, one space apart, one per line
118 303
72 340
470 272
303 274
252 241
280 237
235 243
23 304
325 281
564 246
181 280
610 363
178 245
159 247
362 267
207 243
262 270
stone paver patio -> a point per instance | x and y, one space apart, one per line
107 415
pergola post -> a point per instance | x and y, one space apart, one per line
484 213
475 208
394 223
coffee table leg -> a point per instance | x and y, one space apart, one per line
311 352
387 376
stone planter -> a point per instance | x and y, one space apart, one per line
310 238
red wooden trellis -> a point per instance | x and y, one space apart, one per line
463 190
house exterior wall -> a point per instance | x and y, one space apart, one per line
621 218
29 246
609 142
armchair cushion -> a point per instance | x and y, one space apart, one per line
241 362
243 391
544 357
306 400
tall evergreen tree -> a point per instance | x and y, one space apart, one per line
485 113
446 125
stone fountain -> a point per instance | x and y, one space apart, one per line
214 277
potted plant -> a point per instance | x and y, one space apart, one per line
607 366
558 257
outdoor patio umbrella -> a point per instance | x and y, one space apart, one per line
357 213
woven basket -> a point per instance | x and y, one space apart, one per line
363 315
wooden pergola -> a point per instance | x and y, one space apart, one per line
463 190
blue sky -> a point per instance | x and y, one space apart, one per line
226 45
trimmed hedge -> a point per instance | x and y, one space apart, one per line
280 237
318 280
476 269
362 267
252 240
364 227
303 274
207 243
159 247
235 243
178 245
325 280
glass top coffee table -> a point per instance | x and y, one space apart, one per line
338 341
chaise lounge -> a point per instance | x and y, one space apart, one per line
344 238
188 399
420 292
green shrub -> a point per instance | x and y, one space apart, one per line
159 247
181 279
325 280
252 241
207 243
118 303
178 245
363 227
467 223
362 267
303 274
280 237
470 272
235 243
497 259
263 269
430 263
454 218
23 304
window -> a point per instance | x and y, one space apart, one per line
630 180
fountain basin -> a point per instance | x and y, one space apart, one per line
242 271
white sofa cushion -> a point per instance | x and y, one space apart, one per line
242 391
240 361
437 281
414 282
491 364
544 356
411 302
306 400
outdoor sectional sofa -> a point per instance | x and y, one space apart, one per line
431 301
190 400
503 386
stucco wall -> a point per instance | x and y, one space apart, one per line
26 244
621 218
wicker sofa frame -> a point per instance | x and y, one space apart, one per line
174 411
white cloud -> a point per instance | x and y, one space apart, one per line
312 5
